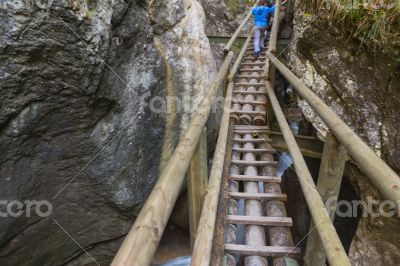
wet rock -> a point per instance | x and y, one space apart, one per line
361 87
77 124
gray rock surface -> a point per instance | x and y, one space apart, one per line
362 87
73 126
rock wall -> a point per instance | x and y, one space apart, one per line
84 122
362 86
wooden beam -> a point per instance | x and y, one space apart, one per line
265 196
260 220
270 179
197 185
252 140
217 255
263 251
330 239
360 152
254 150
254 163
329 182
205 234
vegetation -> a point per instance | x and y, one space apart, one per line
373 22
237 6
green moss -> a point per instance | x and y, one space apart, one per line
373 25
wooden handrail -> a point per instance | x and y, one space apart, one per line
333 247
228 46
381 175
141 243
205 233
323 224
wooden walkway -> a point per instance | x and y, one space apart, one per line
252 180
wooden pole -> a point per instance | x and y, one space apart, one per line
197 184
381 175
254 234
233 186
228 46
278 235
270 69
142 240
217 256
205 234
329 238
330 177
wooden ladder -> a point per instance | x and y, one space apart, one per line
252 177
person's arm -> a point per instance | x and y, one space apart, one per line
272 9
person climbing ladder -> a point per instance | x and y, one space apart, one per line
261 22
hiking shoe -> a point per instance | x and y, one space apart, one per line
257 54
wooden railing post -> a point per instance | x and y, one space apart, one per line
329 181
197 185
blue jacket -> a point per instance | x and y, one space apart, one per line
260 14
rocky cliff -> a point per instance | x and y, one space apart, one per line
95 95
362 86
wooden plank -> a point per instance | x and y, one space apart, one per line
260 220
252 140
249 76
254 163
269 179
258 196
330 178
250 92
251 131
266 251
253 64
249 84
251 70
248 112
249 102
254 150
251 127
197 185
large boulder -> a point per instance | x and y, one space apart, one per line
84 119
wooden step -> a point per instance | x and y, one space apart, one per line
251 127
258 196
260 220
259 140
248 112
253 64
254 163
253 150
249 102
250 92
251 70
266 251
253 58
266 179
249 84
249 77
252 132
